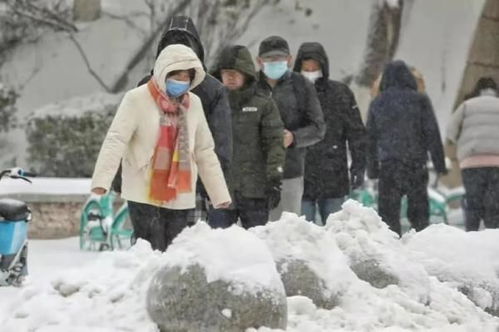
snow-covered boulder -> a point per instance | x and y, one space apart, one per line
467 261
204 286
308 260
375 254
300 279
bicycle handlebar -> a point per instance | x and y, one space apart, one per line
17 173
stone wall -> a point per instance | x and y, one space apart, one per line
53 216
54 220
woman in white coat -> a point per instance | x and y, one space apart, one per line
161 134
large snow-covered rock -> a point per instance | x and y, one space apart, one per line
376 255
203 287
467 261
309 261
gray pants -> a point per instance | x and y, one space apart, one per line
291 195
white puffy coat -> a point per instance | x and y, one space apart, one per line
134 132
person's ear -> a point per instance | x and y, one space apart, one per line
290 61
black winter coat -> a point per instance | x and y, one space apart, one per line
301 114
401 123
326 163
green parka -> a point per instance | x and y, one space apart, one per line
258 151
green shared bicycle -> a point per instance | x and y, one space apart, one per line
103 229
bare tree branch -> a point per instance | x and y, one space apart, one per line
87 63
127 19
121 82
42 15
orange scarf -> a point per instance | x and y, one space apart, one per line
171 164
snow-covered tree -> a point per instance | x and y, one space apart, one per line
219 23
385 25
8 97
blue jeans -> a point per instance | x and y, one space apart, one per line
326 207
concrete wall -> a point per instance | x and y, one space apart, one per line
54 216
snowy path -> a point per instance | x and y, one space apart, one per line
47 257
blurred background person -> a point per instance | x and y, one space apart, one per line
402 130
328 179
474 128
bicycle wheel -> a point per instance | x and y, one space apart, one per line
90 226
121 230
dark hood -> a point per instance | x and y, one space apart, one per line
315 51
182 31
398 75
236 57
482 84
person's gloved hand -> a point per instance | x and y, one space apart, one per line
356 180
273 193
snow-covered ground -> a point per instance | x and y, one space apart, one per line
69 290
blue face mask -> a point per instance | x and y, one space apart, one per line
275 69
176 88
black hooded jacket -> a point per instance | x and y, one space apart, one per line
326 164
401 123
212 93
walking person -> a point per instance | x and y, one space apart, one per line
213 95
474 127
258 158
402 131
328 179
161 134
300 112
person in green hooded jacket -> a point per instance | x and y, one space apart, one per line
258 144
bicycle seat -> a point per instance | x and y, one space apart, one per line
13 210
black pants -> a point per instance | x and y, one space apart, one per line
396 180
252 211
482 197
158 226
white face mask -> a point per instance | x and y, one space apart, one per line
312 76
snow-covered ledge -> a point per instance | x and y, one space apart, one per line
46 189
55 203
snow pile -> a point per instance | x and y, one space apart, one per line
206 287
467 260
107 295
294 242
429 269
376 255
246 259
